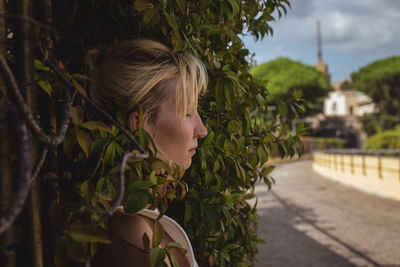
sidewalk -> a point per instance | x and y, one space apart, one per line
309 221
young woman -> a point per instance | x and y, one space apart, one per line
166 84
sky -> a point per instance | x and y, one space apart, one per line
354 33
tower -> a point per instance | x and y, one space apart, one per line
321 66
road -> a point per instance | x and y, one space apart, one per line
308 221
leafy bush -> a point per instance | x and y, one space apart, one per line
210 201
329 143
384 139
373 123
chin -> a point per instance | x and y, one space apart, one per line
187 164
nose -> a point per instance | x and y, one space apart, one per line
199 130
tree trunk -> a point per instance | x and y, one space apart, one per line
31 253
7 247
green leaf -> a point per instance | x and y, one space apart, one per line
157 256
228 91
153 178
188 213
80 77
267 170
235 6
282 151
219 94
176 40
46 86
150 18
158 234
216 165
282 109
209 138
136 201
262 156
79 87
172 259
300 127
141 5
76 114
84 141
175 245
85 233
86 190
100 185
109 155
40 66
139 185
182 6
96 125
171 22
231 246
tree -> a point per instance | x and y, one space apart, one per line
83 179
381 81
283 77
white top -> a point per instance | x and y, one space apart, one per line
175 231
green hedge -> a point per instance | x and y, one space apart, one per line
384 139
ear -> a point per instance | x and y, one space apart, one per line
133 120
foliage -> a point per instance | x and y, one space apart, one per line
329 143
381 81
210 201
373 123
284 77
385 139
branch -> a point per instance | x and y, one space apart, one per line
118 199
102 111
31 20
100 157
26 111
40 163
62 130
19 197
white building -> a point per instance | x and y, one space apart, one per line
347 102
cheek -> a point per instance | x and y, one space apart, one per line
173 138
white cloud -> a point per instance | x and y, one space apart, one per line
355 26
354 33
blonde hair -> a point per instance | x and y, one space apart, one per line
136 72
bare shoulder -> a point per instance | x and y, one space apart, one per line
132 227
127 247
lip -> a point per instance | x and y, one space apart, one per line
193 150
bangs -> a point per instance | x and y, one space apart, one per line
192 81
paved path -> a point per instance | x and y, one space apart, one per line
309 221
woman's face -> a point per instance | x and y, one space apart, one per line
176 139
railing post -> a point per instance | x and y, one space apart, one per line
364 167
379 166
335 161
352 163
342 162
